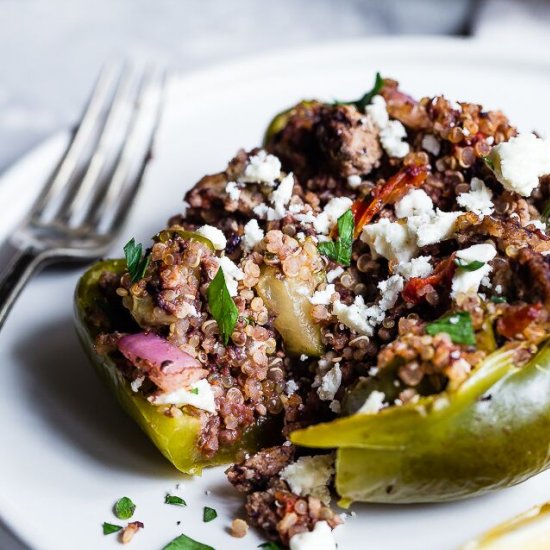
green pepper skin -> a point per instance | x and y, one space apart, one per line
175 437
491 432
280 120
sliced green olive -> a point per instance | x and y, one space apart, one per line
285 298
168 234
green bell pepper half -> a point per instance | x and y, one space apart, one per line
493 431
175 437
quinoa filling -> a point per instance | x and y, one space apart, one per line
374 252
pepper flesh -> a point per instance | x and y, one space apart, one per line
292 310
175 437
447 446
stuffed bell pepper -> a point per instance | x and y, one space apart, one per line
362 304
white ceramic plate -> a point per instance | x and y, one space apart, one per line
68 452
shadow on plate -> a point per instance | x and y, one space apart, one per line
67 395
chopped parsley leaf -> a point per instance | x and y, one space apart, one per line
340 251
194 391
136 264
363 101
457 325
208 514
270 546
469 266
183 542
498 299
175 500
109 528
222 306
124 508
545 216
489 162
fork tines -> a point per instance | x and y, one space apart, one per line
93 186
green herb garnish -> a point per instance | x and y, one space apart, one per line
457 325
498 299
124 508
340 251
183 542
222 306
469 266
175 500
208 514
194 391
545 216
136 264
363 101
270 546
109 528
489 162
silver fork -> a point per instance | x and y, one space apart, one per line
87 198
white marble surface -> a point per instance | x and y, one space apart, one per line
51 51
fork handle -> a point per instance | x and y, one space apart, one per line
20 264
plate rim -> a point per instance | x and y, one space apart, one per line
258 66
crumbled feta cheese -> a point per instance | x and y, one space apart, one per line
252 234
201 398
391 131
321 223
519 162
333 274
136 384
335 406
373 403
261 210
465 281
414 203
330 383
390 290
478 199
304 357
417 267
232 189
334 208
214 235
291 387
354 181
308 217
538 225
498 289
281 196
392 240
310 475
320 538
232 274
431 144
377 112
354 316
262 168
435 229
322 297
391 139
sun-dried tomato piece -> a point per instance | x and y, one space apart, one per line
517 318
416 288
387 193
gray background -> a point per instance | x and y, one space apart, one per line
50 51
